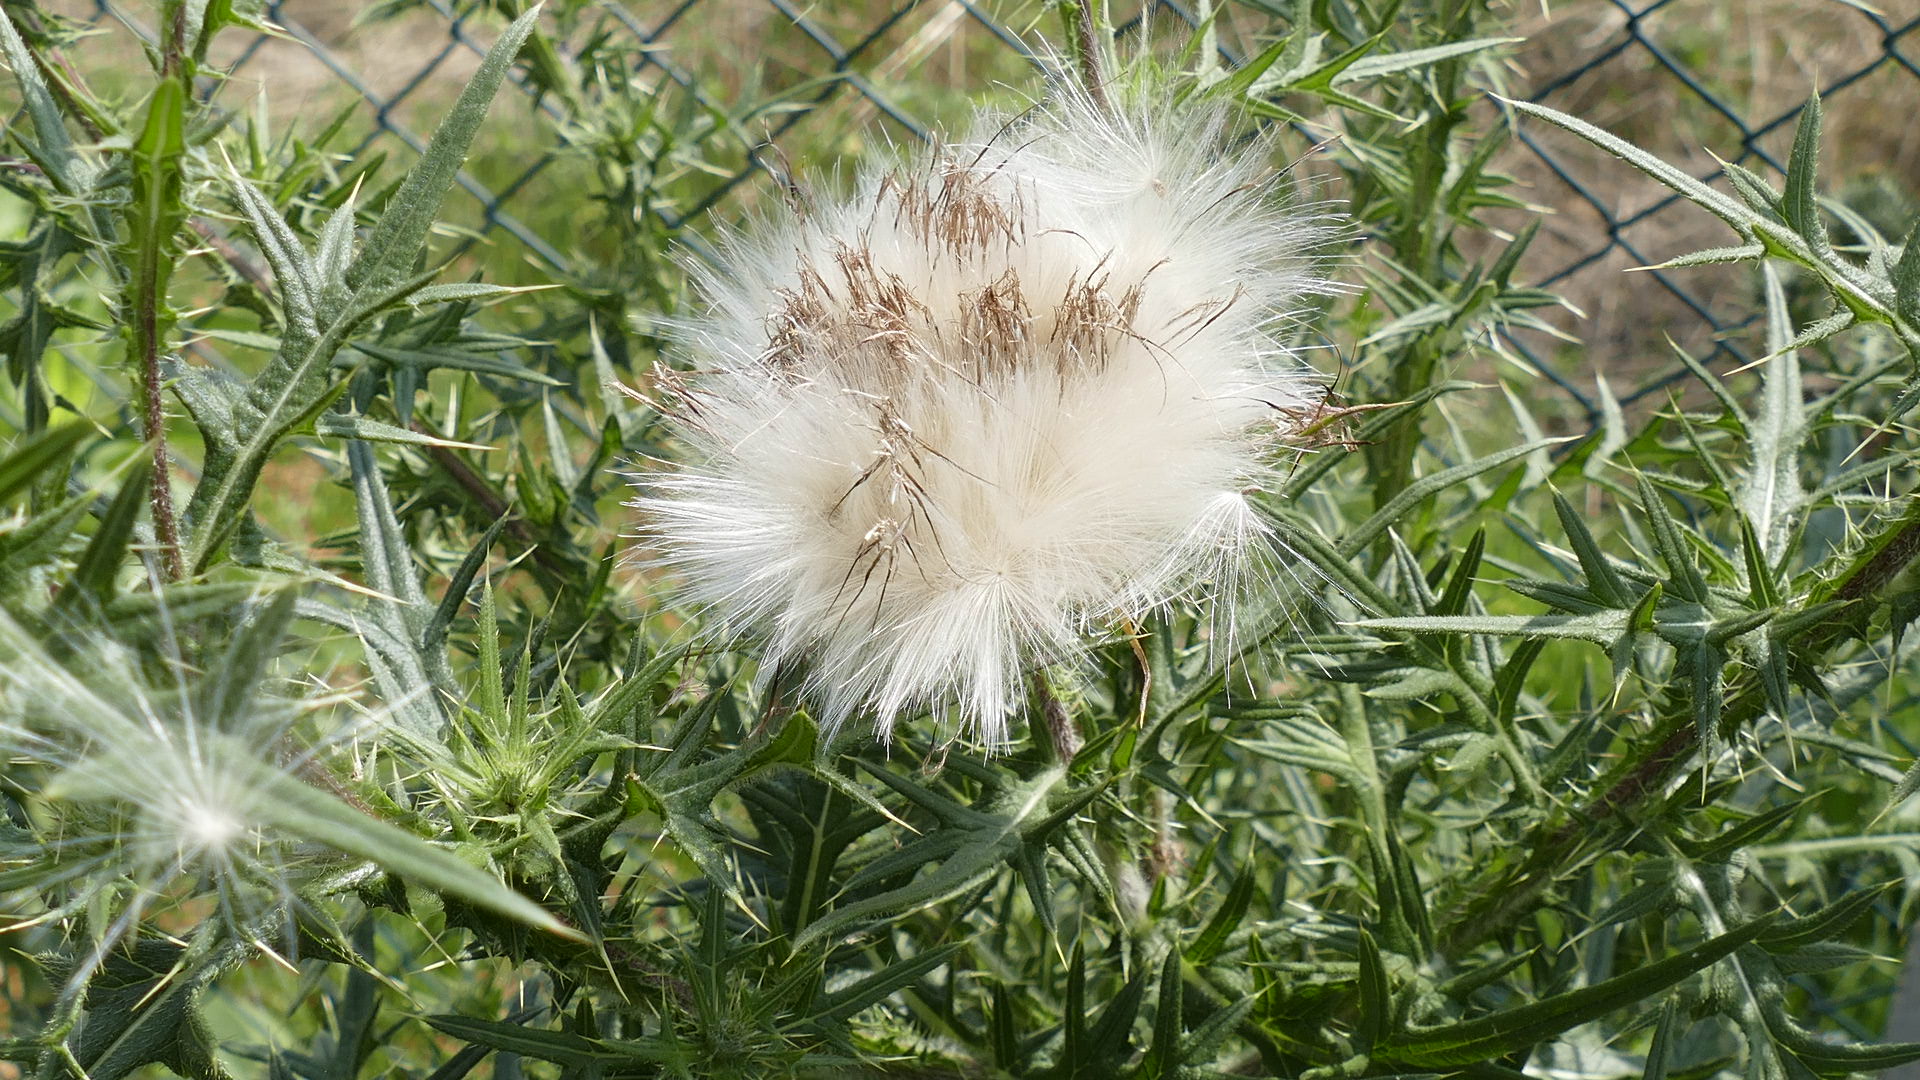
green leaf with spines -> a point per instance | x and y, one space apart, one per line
1752 188
1740 217
52 148
1163 1059
1825 924
877 987
37 454
99 565
1684 580
1525 1026
1906 277
1602 582
1426 487
1601 628
294 387
1227 918
1800 203
1376 1002
1375 424
1372 67
39 541
1660 1051
976 844
560 1047
395 242
1741 835
1720 256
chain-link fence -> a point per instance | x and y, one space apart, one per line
1687 78
1697 80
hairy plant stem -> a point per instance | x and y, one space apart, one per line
1089 46
1676 741
1062 735
166 526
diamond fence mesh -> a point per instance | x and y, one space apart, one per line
1686 78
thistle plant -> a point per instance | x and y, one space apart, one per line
337 739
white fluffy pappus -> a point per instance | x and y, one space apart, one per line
144 803
1009 393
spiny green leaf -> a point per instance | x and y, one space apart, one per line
232 684
1753 189
1426 487
1004 1033
1110 1036
333 254
1601 580
1304 740
348 426
1600 627
1163 1054
1719 205
1762 590
1827 1058
1213 937
968 851
468 290
94 574
1800 204
1660 1052
1906 277
38 540
1720 256
1713 384
52 148
1827 923
1375 66
1523 1027
1205 1039
1745 834
458 359
882 984
1729 627
1460 585
1771 493
1685 581
560 1047
37 454
434 635
1376 1004
394 243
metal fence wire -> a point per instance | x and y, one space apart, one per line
1670 72
1684 77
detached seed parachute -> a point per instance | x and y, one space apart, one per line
1008 393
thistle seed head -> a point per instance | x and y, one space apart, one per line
1008 392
